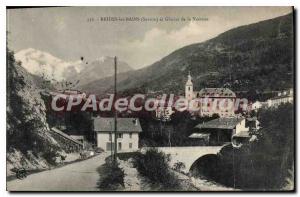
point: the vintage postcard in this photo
(150, 99)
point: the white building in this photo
(217, 101)
(253, 123)
(210, 101)
(282, 98)
(256, 106)
(164, 113)
(128, 130)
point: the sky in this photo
(69, 32)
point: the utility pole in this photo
(116, 127)
(234, 181)
(111, 143)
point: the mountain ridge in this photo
(243, 58)
(46, 65)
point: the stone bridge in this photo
(189, 154)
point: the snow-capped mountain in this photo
(101, 68)
(46, 65)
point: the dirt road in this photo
(80, 176)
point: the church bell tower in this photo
(189, 92)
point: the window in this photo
(110, 137)
(119, 146)
(130, 145)
(130, 135)
(120, 135)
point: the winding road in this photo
(79, 176)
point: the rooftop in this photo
(124, 125)
(59, 132)
(242, 134)
(281, 97)
(220, 123)
(199, 135)
(216, 92)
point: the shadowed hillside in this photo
(253, 57)
(29, 141)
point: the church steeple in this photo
(189, 92)
(189, 81)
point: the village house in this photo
(211, 101)
(164, 113)
(217, 101)
(255, 106)
(253, 123)
(220, 131)
(164, 108)
(128, 130)
(282, 98)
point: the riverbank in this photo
(134, 181)
(202, 184)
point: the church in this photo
(211, 101)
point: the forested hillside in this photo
(252, 57)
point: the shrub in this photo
(111, 176)
(127, 155)
(264, 164)
(179, 166)
(154, 165)
(50, 156)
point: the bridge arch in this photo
(206, 165)
(217, 166)
(188, 155)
